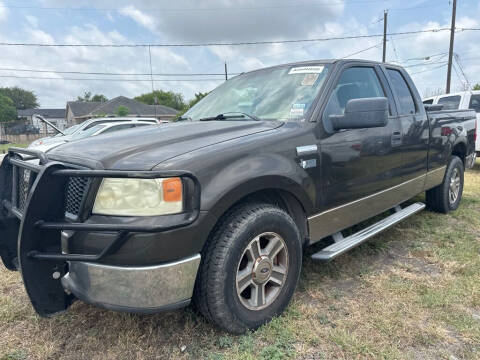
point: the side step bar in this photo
(342, 245)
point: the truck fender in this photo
(253, 174)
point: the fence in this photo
(21, 138)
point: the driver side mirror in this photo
(362, 113)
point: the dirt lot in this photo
(411, 293)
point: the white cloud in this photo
(219, 26)
(3, 12)
(139, 17)
(32, 20)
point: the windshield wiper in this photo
(235, 115)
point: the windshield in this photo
(281, 93)
(69, 130)
(88, 132)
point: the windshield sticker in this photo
(309, 79)
(306, 70)
(297, 109)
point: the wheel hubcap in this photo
(262, 271)
(454, 188)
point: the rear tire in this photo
(447, 196)
(250, 267)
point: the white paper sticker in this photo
(309, 79)
(306, 70)
(297, 109)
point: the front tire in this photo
(447, 196)
(250, 267)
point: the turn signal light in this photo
(172, 189)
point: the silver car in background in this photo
(65, 135)
(103, 128)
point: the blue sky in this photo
(189, 21)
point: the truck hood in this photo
(144, 148)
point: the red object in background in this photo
(446, 131)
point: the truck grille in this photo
(25, 180)
(75, 191)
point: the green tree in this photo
(122, 111)
(22, 99)
(166, 98)
(198, 96)
(87, 97)
(7, 109)
(476, 86)
(99, 98)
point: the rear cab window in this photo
(475, 103)
(403, 93)
(450, 102)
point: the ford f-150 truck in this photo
(217, 207)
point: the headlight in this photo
(139, 197)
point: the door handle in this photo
(397, 138)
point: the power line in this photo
(434, 68)
(438, 61)
(102, 79)
(360, 51)
(110, 73)
(233, 43)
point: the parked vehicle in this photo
(460, 100)
(95, 130)
(217, 207)
(64, 136)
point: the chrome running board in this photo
(342, 244)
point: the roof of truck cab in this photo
(325, 61)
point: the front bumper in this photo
(145, 289)
(33, 219)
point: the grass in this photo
(413, 292)
(5, 147)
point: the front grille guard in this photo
(30, 240)
(61, 171)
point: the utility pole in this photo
(385, 15)
(226, 74)
(450, 51)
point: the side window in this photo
(354, 83)
(101, 122)
(450, 102)
(401, 89)
(475, 103)
(117, 128)
(428, 102)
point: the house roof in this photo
(83, 109)
(47, 113)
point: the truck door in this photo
(357, 163)
(414, 140)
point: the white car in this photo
(75, 129)
(95, 130)
(460, 100)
